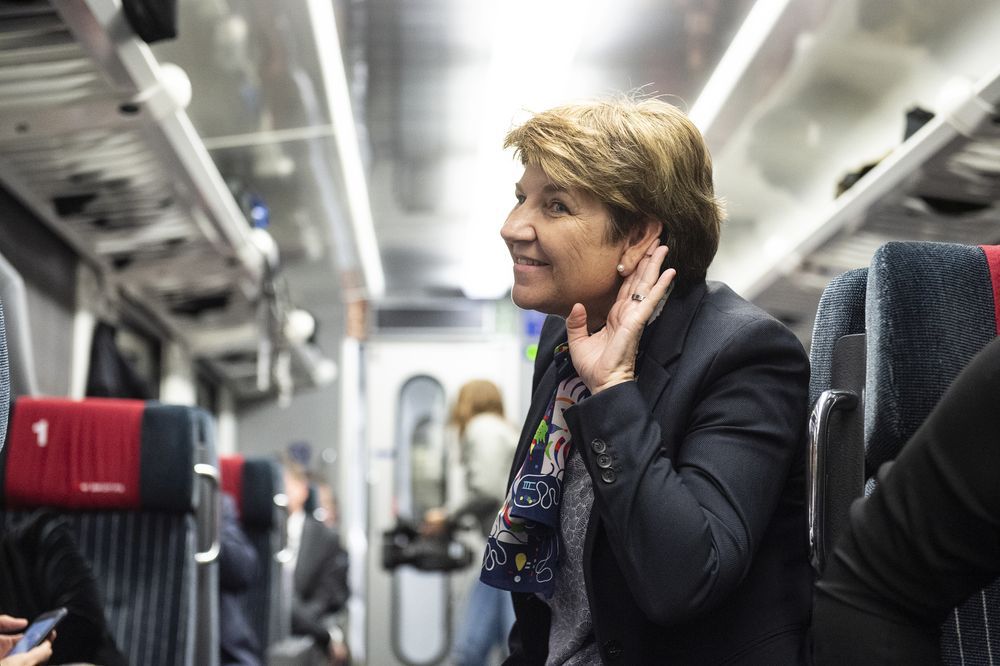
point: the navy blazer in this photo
(696, 551)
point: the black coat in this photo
(696, 549)
(42, 568)
(320, 581)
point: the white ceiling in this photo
(434, 84)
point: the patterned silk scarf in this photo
(522, 550)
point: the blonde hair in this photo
(644, 159)
(476, 397)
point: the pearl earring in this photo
(621, 268)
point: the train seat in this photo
(257, 487)
(929, 308)
(126, 476)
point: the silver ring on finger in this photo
(638, 297)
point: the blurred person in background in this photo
(326, 511)
(317, 569)
(486, 446)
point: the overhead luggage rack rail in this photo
(941, 184)
(95, 139)
(98, 145)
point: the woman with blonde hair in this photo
(656, 506)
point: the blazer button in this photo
(612, 650)
(598, 446)
(608, 476)
(604, 461)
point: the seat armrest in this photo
(836, 449)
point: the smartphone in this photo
(36, 632)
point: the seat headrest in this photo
(231, 479)
(930, 308)
(841, 312)
(99, 454)
(253, 483)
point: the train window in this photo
(142, 353)
(124, 363)
(206, 392)
(420, 450)
(427, 466)
(421, 617)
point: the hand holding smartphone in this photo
(36, 632)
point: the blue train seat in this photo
(257, 487)
(928, 309)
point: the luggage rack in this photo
(941, 184)
(95, 140)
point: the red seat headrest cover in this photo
(75, 454)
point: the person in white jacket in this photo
(487, 442)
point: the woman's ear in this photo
(638, 243)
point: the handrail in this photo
(819, 424)
(211, 474)
(284, 553)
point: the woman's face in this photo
(558, 240)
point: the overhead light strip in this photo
(757, 26)
(338, 98)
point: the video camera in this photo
(404, 544)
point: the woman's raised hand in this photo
(607, 357)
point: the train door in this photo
(409, 390)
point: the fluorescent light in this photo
(338, 100)
(755, 29)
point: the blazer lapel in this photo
(662, 342)
(306, 561)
